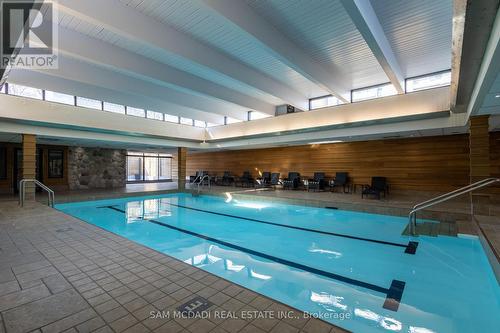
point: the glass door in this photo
(148, 167)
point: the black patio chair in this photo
(246, 180)
(197, 177)
(379, 185)
(317, 183)
(341, 180)
(265, 179)
(292, 182)
(227, 179)
(275, 179)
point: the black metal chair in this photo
(246, 180)
(379, 185)
(341, 180)
(317, 183)
(292, 182)
(227, 179)
(197, 177)
(265, 179)
(275, 179)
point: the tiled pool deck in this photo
(60, 274)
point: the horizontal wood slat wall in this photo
(430, 163)
(495, 154)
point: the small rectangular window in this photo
(136, 112)
(155, 115)
(23, 91)
(53, 96)
(373, 92)
(254, 115)
(186, 121)
(199, 123)
(232, 120)
(116, 108)
(323, 102)
(428, 81)
(55, 163)
(171, 119)
(88, 103)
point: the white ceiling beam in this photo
(365, 19)
(64, 85)
(489, 70)
(32, 111)
(244, 17)
(458, 29)
(83, 72)
(74, 137)
(77, 45)
(125, 21)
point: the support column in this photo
(479, 142)
(28, 169)
(181, 167)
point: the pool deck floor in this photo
(60, 274)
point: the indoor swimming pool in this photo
(352, 269)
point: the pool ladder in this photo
(445, 197)
(22, 191)
(200, 183)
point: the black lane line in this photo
(393, 294)
(406, 246)
(410, 248)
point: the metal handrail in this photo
(453, 192)
(22, 191)
(201, 181)
(445, 197)
(198, 176)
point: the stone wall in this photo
(96, 168)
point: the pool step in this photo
(434, 229)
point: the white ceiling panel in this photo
(420, 33)
(325, 31)
(99, 32)
(207, 27)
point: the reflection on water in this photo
(328, 301)
(147, 209)
(389, 324)
(209, 258)
(332, 254)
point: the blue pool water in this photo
(354, 270)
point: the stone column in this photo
(28, 170)
(181, 167)
(479, 143)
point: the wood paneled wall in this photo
(495, 154)
(429, 164)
